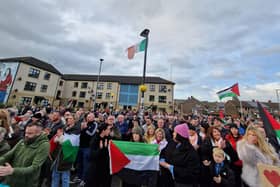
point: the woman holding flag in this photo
(179, 161)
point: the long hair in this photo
(261, 144)
(148, 137)
(162, 132)
(5, 119)
(210, 131)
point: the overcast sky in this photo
(202, 46)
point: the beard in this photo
(29, 141)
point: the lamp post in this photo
(98, 77)
(277, 94)
(145, 34)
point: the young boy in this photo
(219, 171)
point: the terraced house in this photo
(33, 81)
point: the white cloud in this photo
(210, 43)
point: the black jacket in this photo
(186, 163)
(87, 134)
(98, 174)
(226, 173)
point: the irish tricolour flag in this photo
(136, 48)
(134, 156)
(70, 147)
(232, 91)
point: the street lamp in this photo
(98, 77)
(145, 34)
(277, 94)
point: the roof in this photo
(33, 62)
(116, 78)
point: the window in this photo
(26, 100)
(47, 76)
(152, 98)
(109, 86)
(44, 88)
(58, 94)
(84, 85)
(82, 94)
(99, 95)
(74, 94)
(34, 73)
(162, 88)
(76, 84)
(80, 104)
(152, 87)
(100, 86)
(162, 99)
(108, 96)
(30, 86)
(61, 83)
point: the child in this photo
(219, 171)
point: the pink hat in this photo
(183, 130)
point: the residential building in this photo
(34, 81)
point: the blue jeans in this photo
(65, 176)
(83, 162)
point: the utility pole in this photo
(98, 77)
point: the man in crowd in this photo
(21, 166)
(122, 126)
(88, 129)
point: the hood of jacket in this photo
(42, 138)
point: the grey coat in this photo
(251, 155)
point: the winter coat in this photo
(226, 174)
(251, 156)
(186, 164)
(207, 147)
(205, 152)
(98, 174)
(4, 147)
(26, 161)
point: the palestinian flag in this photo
(232, 91)
(135, 163)
(136, 48)
(70, 147)
(271, 126)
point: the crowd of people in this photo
(195, 150)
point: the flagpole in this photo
(241, 108)
(98, 77)
(145, 34)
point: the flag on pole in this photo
(136, 48)
(135, 163)
(271, 127)
(232, 91)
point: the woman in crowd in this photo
(98, 174)
(194, 138)
(253, 149)
(137, 134)
(149, 135)
(233, 137)
(214, 139)
(160, 139)
(179, 161)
